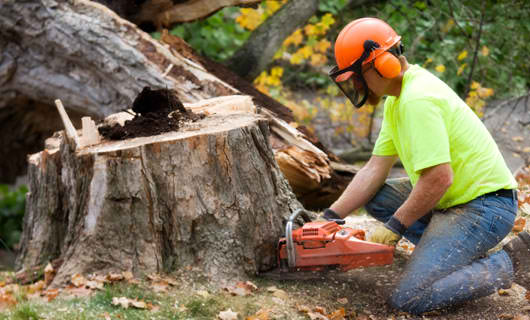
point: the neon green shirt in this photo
(427, 125)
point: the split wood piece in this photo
(209, 196)
(68, 126)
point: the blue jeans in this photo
(450, 262)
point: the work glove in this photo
(331, 215)
(385, 236)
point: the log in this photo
(209, 196)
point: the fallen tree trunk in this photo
(209, 196)
(96, 63)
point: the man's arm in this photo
(364, 185)
(430, 188)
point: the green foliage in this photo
(216, 37)
(436, 33)
(26, 311)
(12, 205)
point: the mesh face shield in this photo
(350, 80)
(354, 88)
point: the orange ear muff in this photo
(388, 65)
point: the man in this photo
(460, 200)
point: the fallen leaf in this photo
(271, 289)
(519, 225)
(237, 291)
(36, 287)
(303, 308)
(506, 316)
(227, 315)
(127, 275)
(281, 294)
(339, 314)
(526, 149)
(113, 277)
(517, 138)
(94, 285)
(7, 301)
(521, 317)
(260, 315)
(51, 294)
(342, 300)
(317, 316)
(277, 300)
(203, 293)
(159, 286)
(125, 302)
(249, 286)
(78, 280)
(319, 310)
(106, 315)
(525, 308)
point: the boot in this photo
(519, 251)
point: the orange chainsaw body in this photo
(321, 245)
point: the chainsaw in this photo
(326, 245)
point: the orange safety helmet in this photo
(349, 46)
(362, 41)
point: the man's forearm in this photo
(425, 195)
(361, 189)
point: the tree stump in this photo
(209, 195)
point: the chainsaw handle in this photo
(291, 252)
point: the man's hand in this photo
(385, 236)
(331, 215)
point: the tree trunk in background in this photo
(209, 196)
(257, 52)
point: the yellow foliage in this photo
(277, 72)
(327, 21)
(462, 55)
(485, 51)
(450, 23)
(461, 69)
(440, 68)
(295, 38)
(323, 45)
(296, 58)
(318, 59)
(310, 30)
(306, 51)
(427, 62)
(477, 96)
(250, 18)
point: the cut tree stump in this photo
(209, 196)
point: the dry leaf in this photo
(113, 277)
(106, 315)
(94, 285)
(260, 315)
(342, 300)
(78, 280)
(51, 294)
(506, 316)
(319, 310)
(249, 286)
(277, 300)
(281, 294)
(303, 308)
(7, 300)
(127, 275)
(203, 293)
(271, 289)
(159, 286)
(339, 314)
(519, 225)
(521, 317)
(227, 315)
(125, 302)
(36, 287)
(317, 316)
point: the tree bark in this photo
(209, 196)
(253, 57)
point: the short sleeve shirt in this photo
(427, 125)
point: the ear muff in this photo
(388, 65)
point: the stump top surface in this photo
(212, 124)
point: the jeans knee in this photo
(378, 210)
(411, 301)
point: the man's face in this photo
(374, 82)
